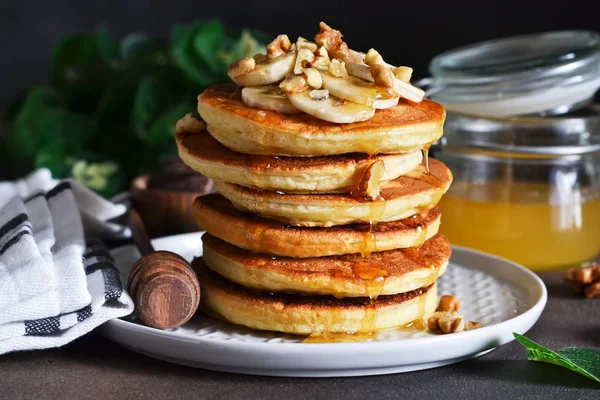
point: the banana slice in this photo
(331, 109)
(354, 89)
(387, 103)
(268, 98)
(267, 70)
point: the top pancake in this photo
(404, 128)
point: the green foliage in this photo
(111, 109)
(583, 361)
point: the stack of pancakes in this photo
(292, 244)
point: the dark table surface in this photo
(93, 367)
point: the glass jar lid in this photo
(537, 74)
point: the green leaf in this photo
(116, 105)
(583, 361)
(163, 130)
(79, 70)
(140, 45)
(40, 106)
(107, 46)
(151, 99)
(206, 41)
(189, 61)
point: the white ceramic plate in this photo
(504, 296)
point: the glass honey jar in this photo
(522, 139)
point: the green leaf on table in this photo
(206, 41)
(151, 98)
(115, 105)
(583, 361)
(246, 46)
(163, 130)
(104, 176)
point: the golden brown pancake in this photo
(351, 275)
(402, 197)
(216, 215)
(405, 128)
(326, 174)
(305, 315)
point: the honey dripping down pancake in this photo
(217, 215)
(400, 198)
(350, 275)
(404, 128)
(306, 315)
(326, 174)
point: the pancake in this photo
(216, 215)
(400, 198)
(305, 315)
(405, 128)
(351, 275)
(340, 173)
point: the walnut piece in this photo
(321, 60)
(303, 58)
(448, 303)
(383, 76)
(446, 322)
(241, 67)
(313, 78)
(452, 323)
(331, 39)
(338, 68)
(293, 84)
(473, 325)
(302, 43)
(584, 279)
(373, 57)
(322, 94)
(280, 45)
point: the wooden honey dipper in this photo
(164, 288)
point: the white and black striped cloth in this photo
(54, 285)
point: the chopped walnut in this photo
(293, 84)
(313, 78)
(338, 68)
(448, 303)
(241, 67)
(383, 76)
(322, 94)
(585, 279)
(321, 60)
(331, 39)
(303, 58)
(302, 43)
(280, 45)
(446, 322)
(189, 124)
(473, 325)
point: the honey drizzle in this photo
(425, 151)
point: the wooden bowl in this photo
(163, 212)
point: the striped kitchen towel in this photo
(54, 286)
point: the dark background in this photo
(405, 32)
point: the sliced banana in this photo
(331, 109)
(267, 70)
(354, 89)
(268, 98)
(387, 103)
